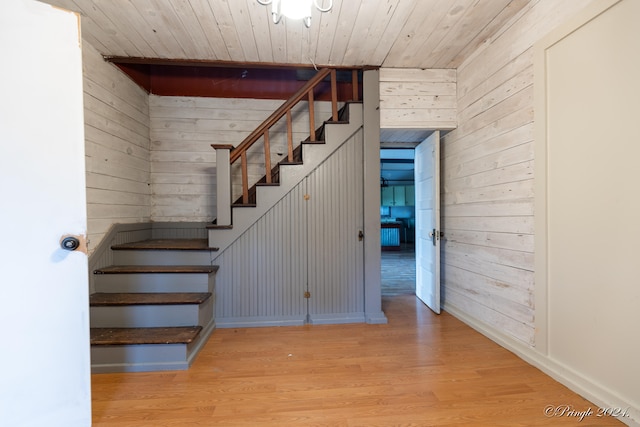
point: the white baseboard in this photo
(598, 395)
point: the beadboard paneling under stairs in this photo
(297, 257)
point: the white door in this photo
(427, 181)
(44, 310)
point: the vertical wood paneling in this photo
(262, 276)
(117, 147)
(145, 12)
(335, 217)
(487, 212)
(425, 14)
(417, 99)
(390, 33)
(298, 245)
(242, 23)
(183, 173)
(460, 31)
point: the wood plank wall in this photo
(116, 147)
(417, 99)
(487, 177)
(183, 176)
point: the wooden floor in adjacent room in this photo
(398, 271)
(420, 369)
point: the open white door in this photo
(44, 309)
(427, 182)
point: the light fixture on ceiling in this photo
(294, 9)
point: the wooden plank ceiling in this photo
(379, 33)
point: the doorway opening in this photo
(397, 220)
(409, 214)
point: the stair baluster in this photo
(223, 173)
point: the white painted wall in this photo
(587, 222)
(117, 147)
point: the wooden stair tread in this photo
(219, 227)
(103, 299)
(141, 269)
(132, 336)
(167, 244)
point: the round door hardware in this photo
(70, 243)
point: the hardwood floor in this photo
(398, 271)
(418, 370)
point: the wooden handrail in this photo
(280, 112)
(262, 131)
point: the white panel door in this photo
(44, 309)
(427, 186)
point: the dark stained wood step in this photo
(143, 269)
(288, 163)
(167, 244)
(103, 299)
(129, 336)
(219, 227)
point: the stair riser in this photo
(137, 358)
(147, 357)
(168, 257)
(154, 282)
(148, 316)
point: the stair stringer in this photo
(336, 134)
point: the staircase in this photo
(263, 196)
(153, 309)
(296, 159)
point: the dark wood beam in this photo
(223, 79)
(227, 64)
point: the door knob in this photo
(74, 242)
(70, 243)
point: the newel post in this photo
(223, 183)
